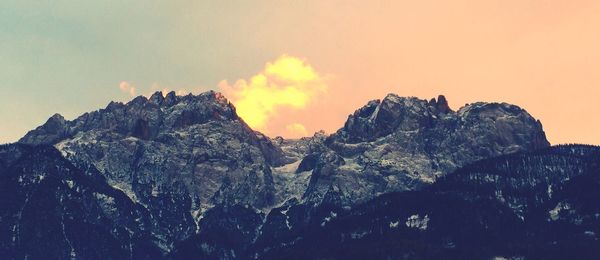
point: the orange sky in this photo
(540, 55)
(73, 58)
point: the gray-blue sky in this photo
(68, 57)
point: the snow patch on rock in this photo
(418, 222)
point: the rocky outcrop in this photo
(55, 129)
(441, 105)
(192, 164)
(176, 155)
(404, 143)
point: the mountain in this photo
(529, 205)
(403, 143)
(200, 182)
(50, 209)
(175, 155)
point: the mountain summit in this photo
(174, 152)
(401, 143)
(191, 163)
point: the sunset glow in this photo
(540, 55)
(288, 82)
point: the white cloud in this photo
(127, 88)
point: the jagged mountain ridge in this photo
(403, 143)
(183, 157)
(165, 152)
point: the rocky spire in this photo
(442, 105)
(157, 98)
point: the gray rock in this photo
(405, 143)
(180, 156)
(176, 155)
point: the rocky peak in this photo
(141, 117)
(221, 98)
(403, 143)
(197, 140)
(381, 118)
(55, 123)
(170, 98)
(157, 98)
(57, 117)
(184, 153)
(441, 105)
(55, 128)
(377, 119)
(139, 101)
(114, 105)
(178, 156)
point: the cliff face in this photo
(172, 154)
(404, 143)
(193, 169)
(540, 204)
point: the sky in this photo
(302, 66)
